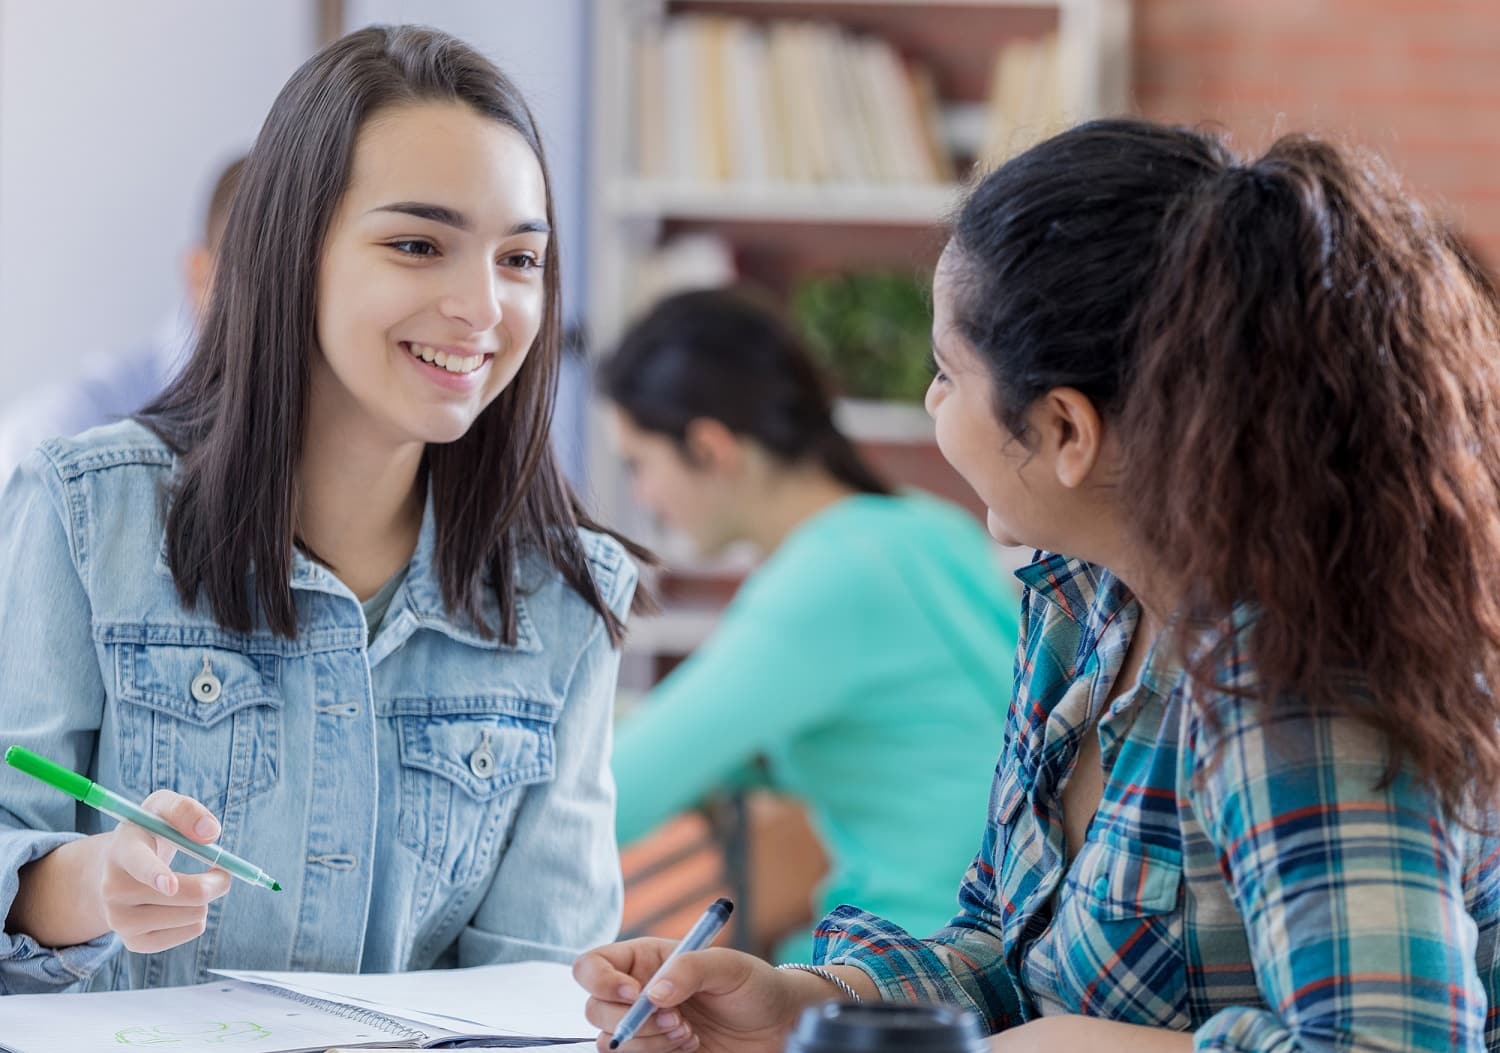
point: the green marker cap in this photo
(69, 782)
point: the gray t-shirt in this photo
(376, 606)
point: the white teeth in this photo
(452, 363)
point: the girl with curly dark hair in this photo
(1245, 800)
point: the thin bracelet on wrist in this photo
(817, 970)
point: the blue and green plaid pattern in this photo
(1244, 877)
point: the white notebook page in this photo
(539, 999)
(208, 1016)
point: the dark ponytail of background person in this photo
(1304, 380)
(722, 355)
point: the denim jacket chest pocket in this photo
(203, 720)
(465, 765)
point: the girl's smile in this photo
(449, 367)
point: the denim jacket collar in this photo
(420, 596)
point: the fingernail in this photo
(677, 1034)
(666, 1020)
(662, 989)
(163, 884)
(628, 992)
(206, 827)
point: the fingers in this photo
(163, 939)
(133, 859)
(614, 973)
(185, 814)
(714, 971)
(193, 890)
(613, 976)
(145, 902)
(652, 1044)
(145, 856)
(662, 1032)
(147, 922)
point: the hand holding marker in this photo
(699, 936)
(110, 803)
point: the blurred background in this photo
(811, 148)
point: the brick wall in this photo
(1418, 80)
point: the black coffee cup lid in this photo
(886, 1027)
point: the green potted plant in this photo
(870, 330)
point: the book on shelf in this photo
(650, 105)
(720, 99)
(1025, 99)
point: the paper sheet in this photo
(209, 1016)
(538, 999)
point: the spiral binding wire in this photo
(358, 1014)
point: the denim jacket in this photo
(432, 798)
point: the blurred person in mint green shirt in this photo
(864, 668)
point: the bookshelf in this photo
(781, 225)
(927, 89)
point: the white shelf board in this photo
(875, 421)
(908, 205)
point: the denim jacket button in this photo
(482, 763)
(206, 687)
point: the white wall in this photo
(114, 117)
(542, 45)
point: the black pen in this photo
(699, 936)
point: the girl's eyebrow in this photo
(452, 217)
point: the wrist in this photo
(59, 902)
(815, 984)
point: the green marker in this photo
(110, 803)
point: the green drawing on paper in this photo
(196, 1033)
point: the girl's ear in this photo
(1072, 434)
(711, 447)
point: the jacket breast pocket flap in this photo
(483, 746)
(197, 685)
(200, 720)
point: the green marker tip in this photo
(275, 886)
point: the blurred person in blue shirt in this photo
(112, 385)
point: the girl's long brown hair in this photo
(1314, 426)
(1305, 381)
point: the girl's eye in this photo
(414, 247)
(935, 369)
(524, 261)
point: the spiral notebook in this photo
(524, 1004)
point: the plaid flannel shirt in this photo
(1243, 879)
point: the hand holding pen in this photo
(715, 999)
(134, 891)
(699, 936)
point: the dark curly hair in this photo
(1304, 379)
